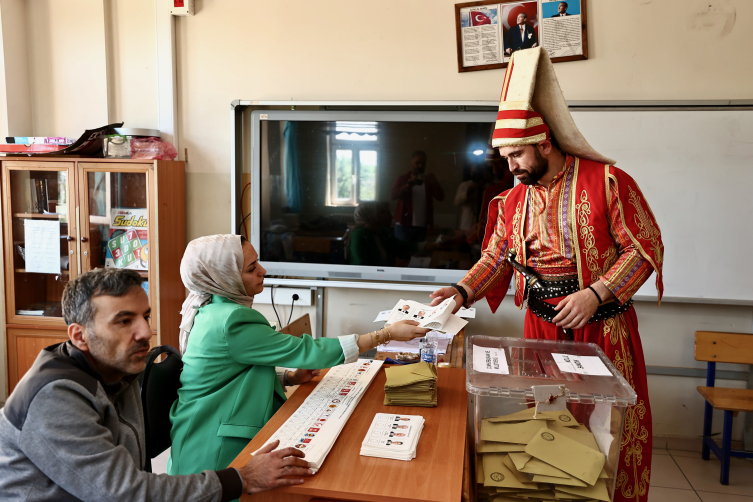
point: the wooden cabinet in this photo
(63, 217)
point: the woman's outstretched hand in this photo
(406, 330)
(300, 376)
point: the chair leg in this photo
(707, 418)
(726, 446)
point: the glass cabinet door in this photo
(40, 240)
(115, 215)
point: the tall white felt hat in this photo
(532, 105)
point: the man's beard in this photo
(538, 170)
(102, 353)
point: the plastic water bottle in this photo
(429, 349)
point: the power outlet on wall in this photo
(284, 297)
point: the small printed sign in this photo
(490, 360)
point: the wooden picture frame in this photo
(500, 4)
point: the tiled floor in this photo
(683, 476)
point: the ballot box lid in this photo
(583, 368)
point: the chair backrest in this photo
(716, 347)
(159, 390)
(298, 327)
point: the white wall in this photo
(390, 50)
(66, 43)
(131, 63)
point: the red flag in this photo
(479, 18)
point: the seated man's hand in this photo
(406, 330)
(266, 469)
(300, 376)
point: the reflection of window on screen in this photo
(353, 165)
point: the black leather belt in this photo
(539, 290)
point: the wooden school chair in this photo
(714, 347)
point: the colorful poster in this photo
(127, 245)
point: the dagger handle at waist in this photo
(532, 279)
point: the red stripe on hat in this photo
(517, 114)
(521, 133)
(508, 75)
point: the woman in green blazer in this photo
(229, 385)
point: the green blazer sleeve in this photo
(251, 340)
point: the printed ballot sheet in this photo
(439, 318)
(393, 436)
(316, 424)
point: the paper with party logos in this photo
(314, 427)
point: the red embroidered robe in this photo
(597, 225)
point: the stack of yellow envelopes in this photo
(411, 385)
(548, 458)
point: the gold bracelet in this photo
(376, 335)
(389, 335)
(389, 338)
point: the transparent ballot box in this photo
(522, 459)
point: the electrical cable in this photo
(279, 322)
(295, 299)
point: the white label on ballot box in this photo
(583, 365)
(490, 360)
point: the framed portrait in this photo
(489, 32)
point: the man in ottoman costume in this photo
(580, 238)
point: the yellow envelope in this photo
(568, 496)
(564, 417)
(493, 447)
(520, 459)
(519, 416)
(497, 474)
(536, 466)
(523, 478)
(479, 470)
(598, 491)
(583, 437)
(520, 433)
(567, 455)
(569, 481)
(508, 498)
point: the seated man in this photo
(73, 428)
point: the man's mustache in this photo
(141, 346)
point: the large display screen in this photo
(376, 193)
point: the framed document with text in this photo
(489, 32)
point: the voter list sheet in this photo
(315, 425)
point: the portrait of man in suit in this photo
(521, 36)
(561, 10)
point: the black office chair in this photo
(159, 390)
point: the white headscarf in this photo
(211, 265)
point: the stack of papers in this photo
(393, 436)
(315, 425)
(411, 385)
(550, 457)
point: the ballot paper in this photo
(393, 436)
(439, 318)
(316, 424)
(414, 346)
(582, 365)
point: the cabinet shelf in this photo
(40, 215)
(23, 271)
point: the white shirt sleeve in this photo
(349, 344)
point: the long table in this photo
(436, 474)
